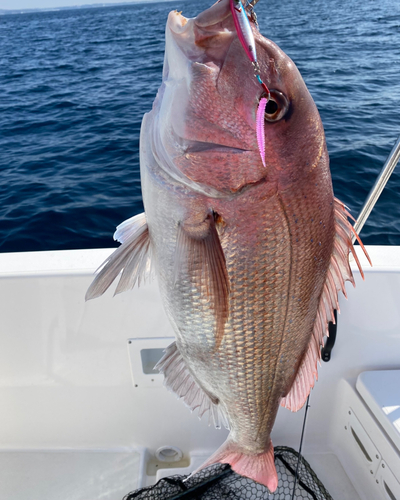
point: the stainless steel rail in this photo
(378, 187)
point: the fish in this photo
(250, 252)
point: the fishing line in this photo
(301, 444)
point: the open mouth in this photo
(190, 146)
(201, 147)
(205, 36)
(210, 19)
(177, 23)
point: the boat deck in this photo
(110, 475)
(83, 414)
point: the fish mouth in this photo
(206, 38)
(192, 146)
(210, 21)
(203, 147)
(195, 53)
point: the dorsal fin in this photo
(179, 380)
(132, 258)
(201, 244)
(338, 272)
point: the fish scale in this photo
(252, 308)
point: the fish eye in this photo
(277, 106)
(271, 107)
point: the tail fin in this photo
(260, 468)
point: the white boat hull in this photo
(77, 405)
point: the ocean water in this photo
(76, 83)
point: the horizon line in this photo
(86, 5)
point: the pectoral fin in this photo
(132, 258)
(199, 255)
(339, 271)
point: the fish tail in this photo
(261, 467)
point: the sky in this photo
(47, 4)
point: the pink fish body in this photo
(250, 257)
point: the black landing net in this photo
(220, 482)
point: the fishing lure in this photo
(260, 128)
(243, 29)
(245, 35)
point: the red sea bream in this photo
(249, 258)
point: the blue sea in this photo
(74, 85)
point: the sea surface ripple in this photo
(76, 83)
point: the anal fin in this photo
(132, 258)
(338, 272)
(179, 380)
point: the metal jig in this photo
(246, 37)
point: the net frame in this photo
(220, 482)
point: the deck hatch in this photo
(366, 449)
(358, 441)
(150, 357)
(388, 481)
(143, 355)
(389, 491)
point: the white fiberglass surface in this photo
(68, 475)
(66, 374)
(381, 393)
